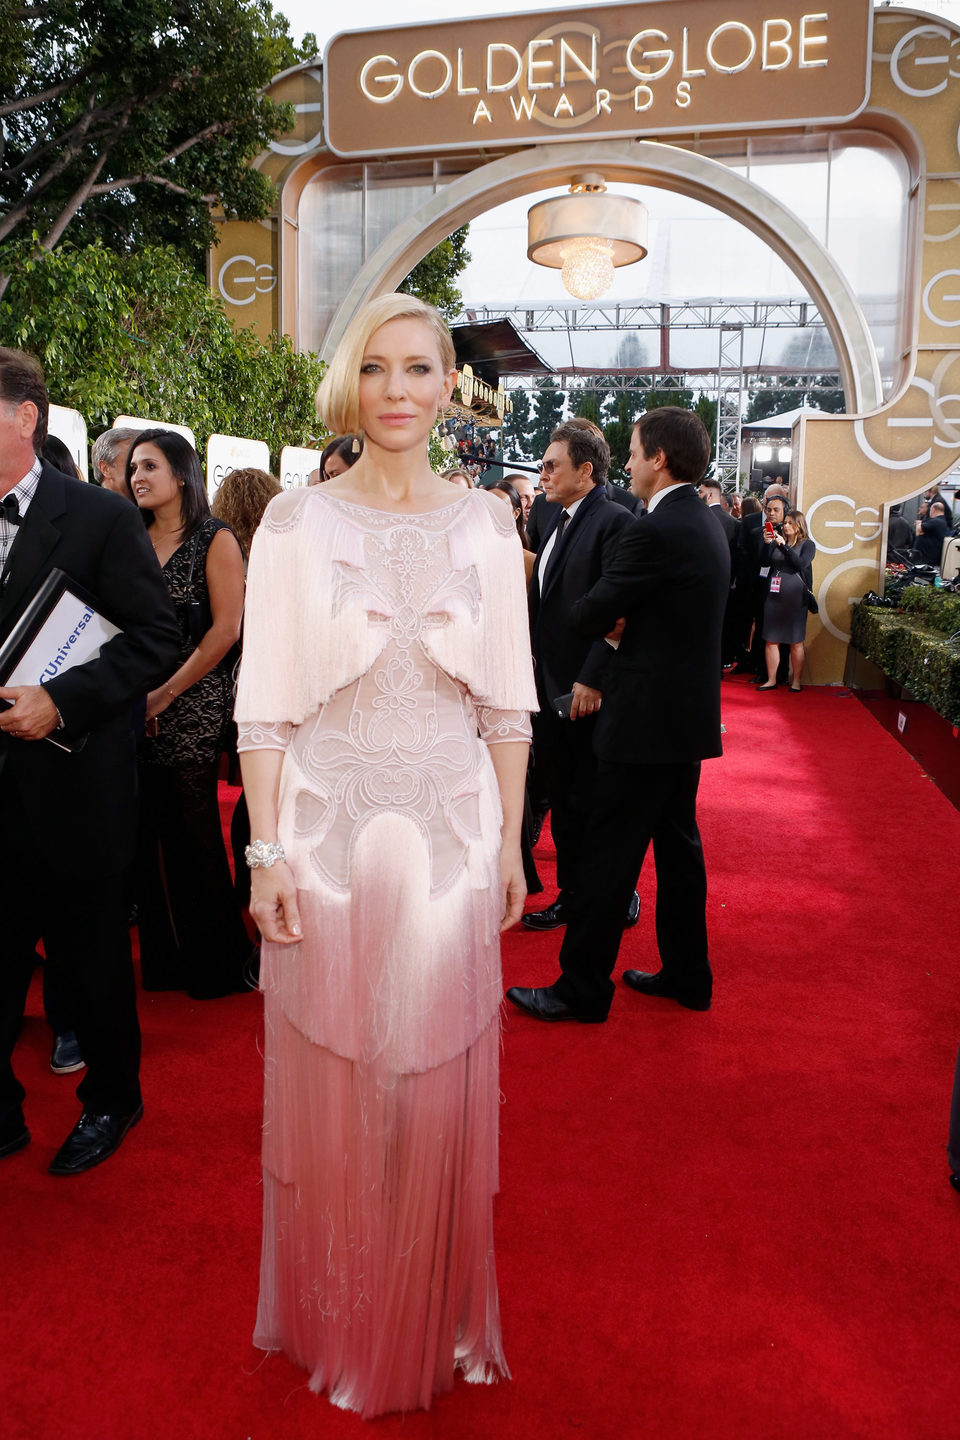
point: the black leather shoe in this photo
(65, 1056)
(542, 1004)
(955, 1180)
(13, 1137)
(92, 1140)
(633, 911)
(551, 918)
(661, 986)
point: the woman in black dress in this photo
(191, 934)
(790, 558)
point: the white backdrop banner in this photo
(70, 427)
(137, 422)
(296, 465)
(231, 452)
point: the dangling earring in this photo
(355, 447)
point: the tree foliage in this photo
(516, 428)
(127, 120)
(141, 334)
(548, 403)
(791, 393)
(433, 278)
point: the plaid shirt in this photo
(24, 492)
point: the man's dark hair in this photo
(185, 464)
(21, 378)
(682, 437)
(709, 483)
(584, 445)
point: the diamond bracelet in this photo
(263, 853)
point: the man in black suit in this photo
(580, 537)
(661, 716)
(69, 815)
(736, 617)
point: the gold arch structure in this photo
(849, 469)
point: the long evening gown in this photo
(191, 933)
(379, 649)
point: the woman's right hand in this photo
(273, 903)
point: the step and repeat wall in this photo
(224, 452)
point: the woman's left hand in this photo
(513, 886)
(157, 702)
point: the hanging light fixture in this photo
(586, 235)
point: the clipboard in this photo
(60, 628)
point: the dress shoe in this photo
(92, 1140)
(13, 1137)
(954, 1179)
(542, 1004)
(65, 1056)
(551, 918)
(662, 986)
(633, 911)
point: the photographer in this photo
(788, 551)
(931, 533)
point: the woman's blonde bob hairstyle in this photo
(338, 395)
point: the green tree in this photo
(141, 334)
(618, 434)
(668, 395)
(707, 410)
(516, 428)
(548, 402)
(774, 400)
(586, 404)
(127, 120)
(432, 279)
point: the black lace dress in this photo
(191, 933)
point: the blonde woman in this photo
(789, 552)
(383, 717)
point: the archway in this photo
(645, 163)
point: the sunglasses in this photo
(548, 467)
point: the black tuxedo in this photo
(734, 622)
(562, 655)
(70, 817)
(540, 521)
(669, 578)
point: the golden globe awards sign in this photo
(613, 70)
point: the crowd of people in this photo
(369, 650)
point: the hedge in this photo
(915, 647)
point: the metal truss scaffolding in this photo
(729, 402)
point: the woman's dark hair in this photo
(750, 505)
(185, 464)
(507, 487)
(56, 453)
(342, 447)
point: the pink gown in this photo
(397, 653)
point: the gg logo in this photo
(922, 416)
(935, 58)
(247, 282)
(844, 514)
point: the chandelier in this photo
(586, 235)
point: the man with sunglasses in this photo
(581, 534)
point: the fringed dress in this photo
(384, 653)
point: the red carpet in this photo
(716, 1226)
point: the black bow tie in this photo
(11, 509)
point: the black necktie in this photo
(11, 509)
(562, 525)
